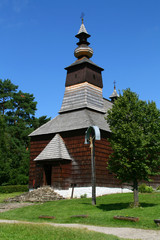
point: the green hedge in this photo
(13, 188)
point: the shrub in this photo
(158, 188)
(13, 188)
(143, 188)
(84, 196)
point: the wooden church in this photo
(59, 157)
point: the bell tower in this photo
(83, 87)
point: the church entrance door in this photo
(48, 174)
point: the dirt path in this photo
(8, 206)
(129, 233)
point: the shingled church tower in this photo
(59, 156)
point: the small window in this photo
(75, 75)
(94, 76)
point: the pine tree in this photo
(17, 121)
(7, 89)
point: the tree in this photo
(135, 140)
(37, 122)
(17, 121)
(4, 149)
(23, 108)
(7, 89)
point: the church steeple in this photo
(83, 87)
(114, 95)
(83, 49)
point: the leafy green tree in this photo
(135, 140)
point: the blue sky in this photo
(37, 41)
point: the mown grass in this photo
(101, 215)
(4, 196)
(41, 232)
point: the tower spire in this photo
(83, 87)
(83, 49)
(114, 95)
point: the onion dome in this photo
(83, 49)
(114, 95)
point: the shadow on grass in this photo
(143, 204)
(115, 206)
(120, 206)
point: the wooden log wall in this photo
(60, 170)
(66, 173)
(37, 144)
(61, 173)
(84, 73)
(81, 165)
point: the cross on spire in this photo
(114, 94)
(82, 16)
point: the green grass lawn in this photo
(41, 232)
(101, 215)
(4, 196)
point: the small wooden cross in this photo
(82, 16)
(114, 84)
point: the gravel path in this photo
(129, 233)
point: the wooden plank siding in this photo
(65, 173)
(37, 144)
(81, 166)
(84, 73)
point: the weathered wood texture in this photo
(59, 170)
(63, 174)
(81, 166)
(84, 73)
(37, 144)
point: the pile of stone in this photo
(43, 194)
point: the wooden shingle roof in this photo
(55, 150)
(84, 95)
(79, 119)
(83, 60)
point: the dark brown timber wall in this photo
(37, 144)
(77, 172)
(65, 173)
(84, 73)
(81, 165)
(59, 170)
